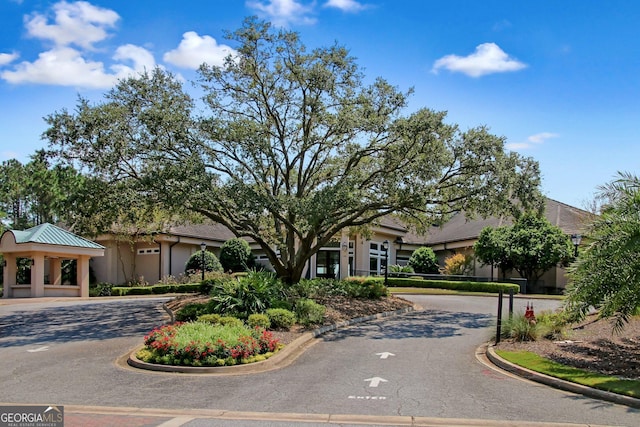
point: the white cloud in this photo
(283, 12)
(194, 50)
(346, 5)
(66, 67)
(79, 23)
(7, 58)
(142, 60)
(487, 59)
(531, 141)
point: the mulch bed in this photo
(591, 345)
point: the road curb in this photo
(282, 358)
(557, 382)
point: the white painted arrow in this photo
(35, 350)
(375, 381)
(384, 355)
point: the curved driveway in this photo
(420, 364)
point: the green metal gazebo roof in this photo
(49, 234)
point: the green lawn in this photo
(536, 363)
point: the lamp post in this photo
(576, 239)
(385, 248)
(203, 247)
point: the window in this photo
(376, 258)
(149, 251)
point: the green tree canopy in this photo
(531, 246)
(492, 248)
(423, 260)
(293, 149)
(36, 192)
(607, 273)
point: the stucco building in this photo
(165, 254)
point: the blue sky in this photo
(560, 80)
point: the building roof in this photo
(569, 219)
(49, 234)
(207, 230)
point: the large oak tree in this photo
(292, 148)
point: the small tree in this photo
(457, 264)
(531, 246)
(194, 263)
(235, 255)
(423, 261)
(491, 248)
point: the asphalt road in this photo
(420, 364)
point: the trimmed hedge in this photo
(491, 287)
(121, 291)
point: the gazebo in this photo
(46, 246)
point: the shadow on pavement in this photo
(416, 324)
(80, 323)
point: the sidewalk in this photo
(92, 416)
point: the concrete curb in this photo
(282, 358)
(557, 382)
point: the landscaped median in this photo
(533, 367)
(283, 356)
(240, 324)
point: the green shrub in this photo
(212, 318)
(554, 324)
(316, 288)
(281, 318)
(259, 319)
(216, 282)
(231, 321)
(364, 287)
(401, 269)
(251, 293)
(235, 255)
(191, 312)
(418, 282)
(521, 329)
(194, 263)
(309, 312)
(282, 303)
(102, 289)
(423, 260)
(162, 289)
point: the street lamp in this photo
(203, 247)
(385, 248)
(576, 239)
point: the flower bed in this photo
(204, 344)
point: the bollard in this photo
(499, 331)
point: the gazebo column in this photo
(10, 274)
(55, 271)
(83, 275)
(37, 275)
